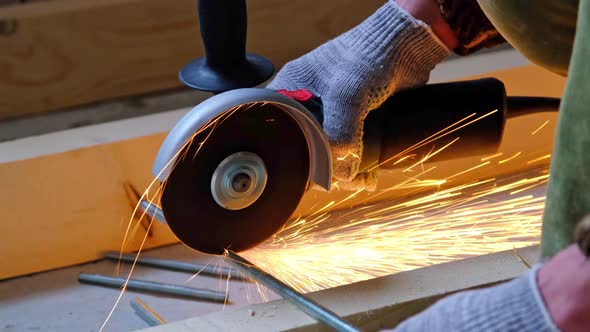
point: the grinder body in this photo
(235, 167)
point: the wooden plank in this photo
(370, 305)
(69, 206)
(69, 52)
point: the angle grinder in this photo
(234, 168)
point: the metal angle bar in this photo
(146, 313)
(155, 287)
(152, 210)
(290, 295)
(174, 265)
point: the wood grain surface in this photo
(63, 53)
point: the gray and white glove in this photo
(356, 72)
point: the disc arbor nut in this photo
(239, 180)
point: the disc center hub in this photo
(241, 183)
(239, 180)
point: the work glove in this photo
(355, 73)
(551, 297)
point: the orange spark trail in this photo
(394, 235)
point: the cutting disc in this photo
(259, 157)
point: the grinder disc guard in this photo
(262, 132)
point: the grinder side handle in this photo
(223, 30)
(226, 65)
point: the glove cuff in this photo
(471, 26)
(512, 306)
(391, 33)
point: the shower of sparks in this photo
(439, 221)
(341, 247)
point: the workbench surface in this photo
(56, 301)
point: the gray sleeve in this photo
(512, 306)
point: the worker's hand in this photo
(356, 72)
(564, 284)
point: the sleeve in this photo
(512, 306)
(471, 26)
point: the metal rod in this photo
(174, 265)
(146, 313)
(155, 287)
(290, 295)
(152, 210)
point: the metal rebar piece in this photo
(146, 313)
(155, 287)
(169, 264)
(290, 295)
(152, 210)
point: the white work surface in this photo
(56, 301)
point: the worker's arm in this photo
(550, 297)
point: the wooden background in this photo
(62, 53)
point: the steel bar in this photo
(290, 295)
(152, 210)
(174, 265)
(146, 313)
(155, 287)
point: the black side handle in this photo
(223, 27)
(226, 65)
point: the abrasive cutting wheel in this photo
(238, 181)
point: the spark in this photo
(349, 154)
(430, 155)
(496, 155)
(547, 156)
(541, 127)
(436, 136)
(510, 158)
(404, 158)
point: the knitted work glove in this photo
(355, 72)
(552, 297)
(514, 306)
